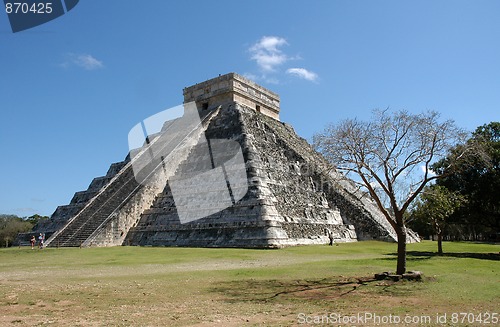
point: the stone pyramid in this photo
(290, 195)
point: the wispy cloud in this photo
(267, 54)
(85, 61)
(303, 73)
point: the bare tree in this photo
(390, 156)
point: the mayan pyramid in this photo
(275, 190)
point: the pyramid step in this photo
(94, 214)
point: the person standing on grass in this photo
(33, 241)
(330, 236)
(40, 240)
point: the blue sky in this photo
(71, 89)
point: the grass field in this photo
(136, 286)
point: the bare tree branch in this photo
(386, 153)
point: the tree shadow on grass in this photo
(483, 256)
(254, 290)
(416, 257)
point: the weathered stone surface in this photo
(410, 275)
(382, 276)
(293, 195)
(413, 275)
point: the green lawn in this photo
(135, 286)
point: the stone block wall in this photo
(285, 204)
(230, 88)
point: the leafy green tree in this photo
(10, 226)
(434, 207)
(478, 179)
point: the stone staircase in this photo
(64, 213)
(102, 205)
(108, 201)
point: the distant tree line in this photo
(464, 204)
(11, 225)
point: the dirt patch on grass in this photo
(332, 288)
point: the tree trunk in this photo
(401, 266)
(440, 243)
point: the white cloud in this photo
(85, 61)
(303, 73)
(88, 62)
(267, 54)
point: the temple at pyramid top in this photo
(231, 88)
